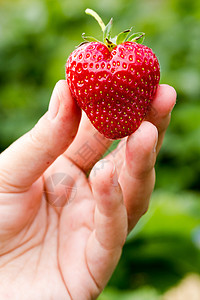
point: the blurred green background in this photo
(36, 37)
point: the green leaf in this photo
(122, 36)
(140, 40)
(107, 30)
(89, 38)
(83, 43)
(136, 37)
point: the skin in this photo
(54, 247)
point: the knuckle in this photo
(146, 172)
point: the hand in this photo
(61, 232)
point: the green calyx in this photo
(125, 36)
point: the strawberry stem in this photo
(111, 43)
(105, 28)
(92, 13)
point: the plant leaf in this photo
(107, 30)
(136, 37)
(89, 38)
(140, 40)
(122, 36)
(83, 43)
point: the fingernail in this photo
(54, 105)
(114, 177)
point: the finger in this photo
(118, 154)
(26, 159)
(160, 112)
(110, 221)
(137, 175)
(88, 146)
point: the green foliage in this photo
(163, 248)
(36, 38)
(144, 293)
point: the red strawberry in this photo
(115, 82)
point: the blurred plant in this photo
(36, 38)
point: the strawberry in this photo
(113, 82)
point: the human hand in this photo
(61, 232)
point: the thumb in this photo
(27, 158)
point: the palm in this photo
(54, 237)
